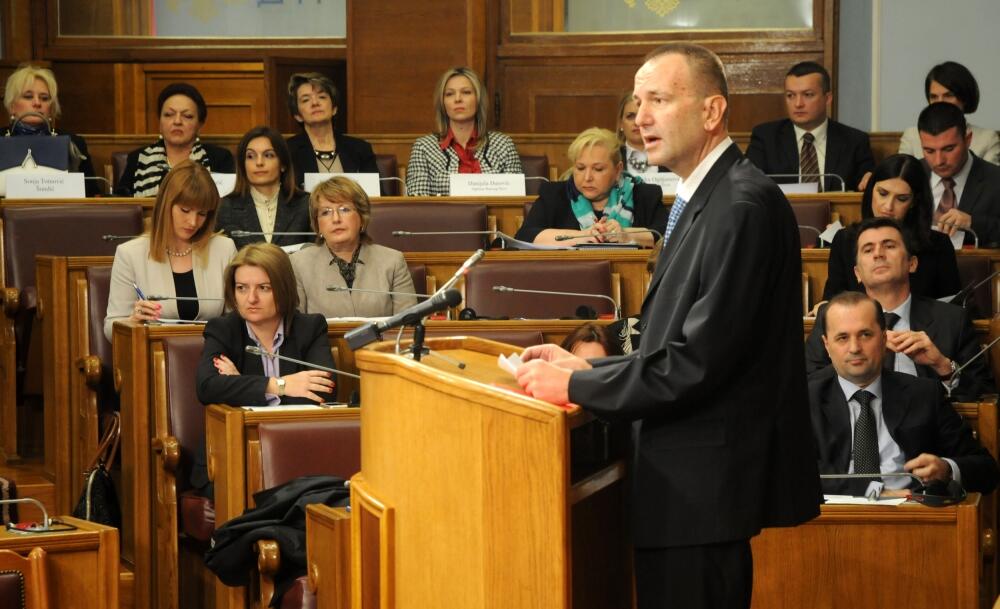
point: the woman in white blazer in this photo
(346, 258)
(181, 257)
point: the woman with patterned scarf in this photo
(600, 204)
(182, 111)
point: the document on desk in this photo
(286, 408)
(852, 500)
(510, 363)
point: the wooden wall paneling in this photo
(88, 97)
(405, 46)
(277, 72)
(17, 39)
(234, 93)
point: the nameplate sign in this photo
(487, 185)
(367, 181)
(803, 188)
(667, 181)
(224, 182)
(45, 185)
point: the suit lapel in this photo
(690, 214)
(973, 187)
(834, 150)
(837, 414)
(248, 212)
(893, 405)
(282, 217)
(789, 148)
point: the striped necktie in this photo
(808, 161)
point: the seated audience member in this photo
(340, 212)
(899, 189)
(808, 142)
(261, 297)
(182, 113)
(633, 149)
(868, 420)
(591, 340)
(182, 257)
(31, 97)
(265, 198)
(598, 203)
(927, 338)
(462, 143)
(966, 188)
(312, 100)
(953, 83)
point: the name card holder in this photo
(802, 188)
(667, 181)
(367, 181)
(486, 184)
(45, 185)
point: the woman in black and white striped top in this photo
(462, 143)
(182, 112)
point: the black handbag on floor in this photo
(99, 501)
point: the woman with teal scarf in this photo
(599, 204)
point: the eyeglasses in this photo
(343, 210)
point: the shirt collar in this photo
(819, 133)
(449, 139)
(960, 177)
(261, 199)
(903, 310)
(849, 388)
(279, 336)
(687, 187)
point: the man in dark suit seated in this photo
(868, 420)
(928, 338)
(966, 188)
(808, 143)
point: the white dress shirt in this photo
(687, 187)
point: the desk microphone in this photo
(247, 233)
(100, 179)
(263, 352)
(118, 237)
(966, 293)
(470, 262)
(343, 288)
(503, 288)
(157, 297)
(371, 331)
(819, 235)
(819, 176)
(502, 236)
(395, 179)
(959, 370)
(44, 527)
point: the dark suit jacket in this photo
(724, 447)
(552, 209)
(936, 275)
(949, 328)
(918, 418)
(305, 339)
(848, 152)
(237, 212)
(355, 155)
(981, 200)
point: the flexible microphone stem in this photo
(157, 297)
(100, 179)
(843, 185)
(258, 351)
(499, 234)
(247, 233)
(503, 288)
(972, 290)
(118, 237)
(46, 521)
(395, 179)
(462, 270)
(959, 370)
(342, 288)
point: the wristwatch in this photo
(954, 369)
(280, 382)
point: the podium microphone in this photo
(462, 270)
(247, 233)
(118, 237)
(258, 351)
(372, 331)
(503, 288)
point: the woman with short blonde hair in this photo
(462, 141)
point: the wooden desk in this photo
(82, 564)
(860, 557)
(71, 425)
(328, 550)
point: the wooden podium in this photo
(468, 496)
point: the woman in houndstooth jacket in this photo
(461, 143)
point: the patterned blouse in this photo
(153, 167)
(429, 167)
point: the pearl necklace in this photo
(186, 252)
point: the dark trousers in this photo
(716, 576)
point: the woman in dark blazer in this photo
(599, 203)
(899, 188)
(265, 198)
(312, 100)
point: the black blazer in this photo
(724, 447)
(220, 160)
(917, 417)
(950, 329)
(305, 339)
(981, 200)
(936, 275)
(355, 155)
(848, 152)
(237, 212)
(552, 209)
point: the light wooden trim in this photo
(364, 502)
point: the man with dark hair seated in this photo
(927, 338)
(966, 188)
(808, 143)
(868, 420)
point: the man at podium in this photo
(718, 386)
